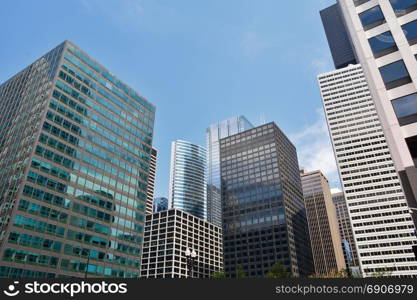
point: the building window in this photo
(412, 146)
(410, 32)
(383, 44)
(403, 7)
(395, 74)
(406, 109)
(360, 2)
(372, 17)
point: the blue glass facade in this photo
(160, 204)
(213, 135)
(187, 186)
(80, 189)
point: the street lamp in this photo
(190, 255)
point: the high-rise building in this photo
(384, 34)
(338, 38)
(382, 226)
(151, 182)
(175, 231)
(75, 146)
(345, 229)
(160, 204)
(214, 133)
(325, 238)
(264, 218)
(187, 185)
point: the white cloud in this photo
(314, 149)
(335, 190)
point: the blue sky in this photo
(198, 61)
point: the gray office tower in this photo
(75, 147)
(214, 133)
(338, 38)
(264, 217)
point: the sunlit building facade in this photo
(75, 145)
(187, 183)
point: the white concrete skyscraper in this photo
(384, 35)
(382, 225)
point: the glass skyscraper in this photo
(75, 146)
(160, 204)
(214, 133)
(187, 185)
(264, 217)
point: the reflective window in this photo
(395, 74)
(406, 109)
(372, 17)
(410, 32)
(360, 2)
(383, 44)
(403, 7)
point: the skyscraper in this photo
(175, 231)
(75, 146)
(264, 218)
(382, 226)
(384, 34)
(338, 38)
(345, 228)
(187, 185)
(214, 133)
(160, 204)
(325, 238)
(151, 182)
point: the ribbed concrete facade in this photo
(382, 225)
(322, 223)
(384, 34)
(345, 229)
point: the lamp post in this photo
(190, 255)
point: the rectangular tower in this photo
(345, 228)
(151, 182)
(384, 34)
(214, 133)
(325, 238)
(264, 218)
(75, 146)
(340, 45)
(382, 225)
(187, 183)
(176, 231)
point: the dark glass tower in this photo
(75, 147)
(340, 45)
(264, 217)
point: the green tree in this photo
(278, 271)
(219, 274)
(240, 273)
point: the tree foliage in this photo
(278, 271)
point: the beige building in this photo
(322, 223)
